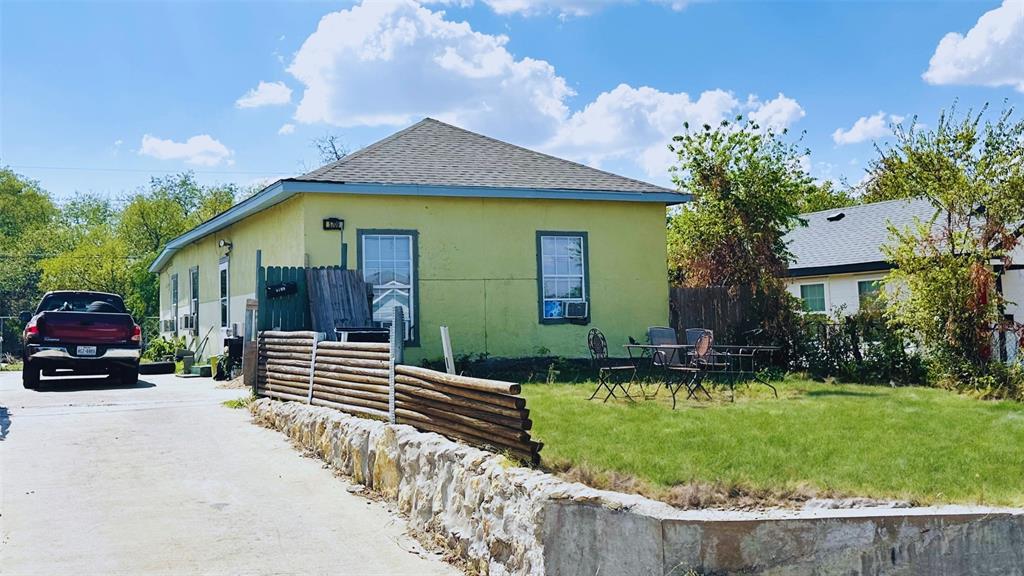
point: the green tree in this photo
(171, 206)
(26, 215)
(971, 168)
(825, 196)
(748, 188)
(23, 206)
(100, 247)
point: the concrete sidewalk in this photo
(163, 479)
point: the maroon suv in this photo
(81, 333)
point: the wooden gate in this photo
(283, 298)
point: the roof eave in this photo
(851, 268)
(664, 196)
(284, 189)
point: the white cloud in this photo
(390, 64)
(266, 94)
(286, 129)
(777, 114)
(866, 128)
(203, 150)
(637, 124)
(991, 54)
(395, 62)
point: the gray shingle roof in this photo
(857, 238)
(432, 153)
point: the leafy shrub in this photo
(859, 348)
(161, 348)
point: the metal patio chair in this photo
(606, 371)
(714, 361)
(700, 361)
(693, 334)
(662, 336)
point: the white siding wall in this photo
(840, 289)
(1013, 290)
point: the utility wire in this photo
(145, 170)
(79, 257)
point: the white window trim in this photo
(582, 275)
(175, 298)
(828, 299)
(193, 297)
(224, 301)
(410, 319)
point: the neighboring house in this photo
(839, 261)
(495, 241)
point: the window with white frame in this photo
(174, 303)
(225, 293)
(388, 263)
(813, 297)
(193, 305)
(563, 272)
(867, 292)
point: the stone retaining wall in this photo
(511, 520)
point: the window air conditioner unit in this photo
(187, 322)
(168, 325)
(577, 310)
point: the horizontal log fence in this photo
(361, 378)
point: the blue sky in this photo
(99, 96)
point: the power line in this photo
(144, 170)
(78, 257)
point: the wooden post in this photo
(446, 347)
(312, 366)
(261, 293)
(397, 338)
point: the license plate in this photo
(86, 351)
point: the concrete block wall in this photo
(509, 520)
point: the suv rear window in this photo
(81, 302)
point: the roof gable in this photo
(432, 153)
(431, 158)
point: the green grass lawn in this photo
(919, 444)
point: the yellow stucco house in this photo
(517, 252)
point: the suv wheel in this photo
(30, 376)
(129, 376)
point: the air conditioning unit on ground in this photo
(577, 310)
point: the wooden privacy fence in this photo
(362, 378)
(338, 297)
(722, 309)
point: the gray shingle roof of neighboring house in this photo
(432, 153)
(854, 242)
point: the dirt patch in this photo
(236, 383)
(719, 495)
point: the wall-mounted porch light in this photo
(334, 224)
(226, 244)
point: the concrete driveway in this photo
(162, 478)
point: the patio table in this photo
(738, 361)
(651, 358)
(741, 361)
